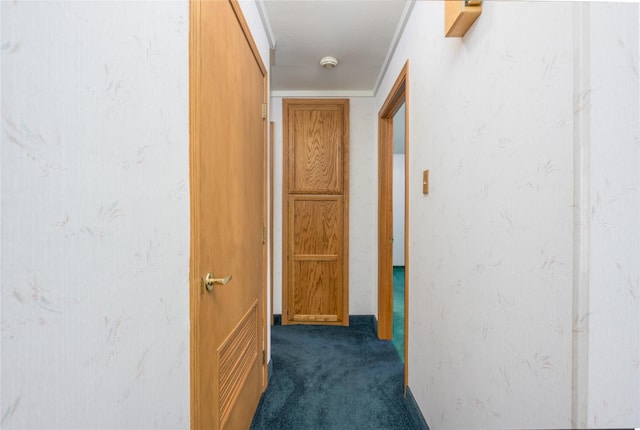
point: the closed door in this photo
(228, 258)
(316, 212)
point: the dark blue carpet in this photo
(398, 310)
(327, 377)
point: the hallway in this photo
(524, 269)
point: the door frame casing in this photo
(195, 272)
(398, 95)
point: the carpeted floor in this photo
(333, 378)
(398, 310)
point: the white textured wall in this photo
(398, 186)
(614, 281)
(398, 130)
(363, 207)
(398, 208)
(95, 215)
(492, 246)
(363, 198)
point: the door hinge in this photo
(264, 110)
(264, 235)
(264, 357)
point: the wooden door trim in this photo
(385, 228)
(286, 193)
(398, 95)
(195, 287)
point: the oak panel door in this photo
(316, 238)
(227, 91)
(316, 149)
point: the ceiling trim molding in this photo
(406, 13)
(264, 16)
(312, 93)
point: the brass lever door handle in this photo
(210, 280)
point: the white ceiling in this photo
(359, 33)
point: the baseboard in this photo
(415, 412)
(362, 319)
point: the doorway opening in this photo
(398, 197)
(394, 115)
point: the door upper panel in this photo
(316, 149)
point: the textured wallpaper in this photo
(502, 118)
(398, 197)
(614, 248)
(95, 215)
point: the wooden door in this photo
(227, 91)
(316, 212)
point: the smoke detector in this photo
(328, 62)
